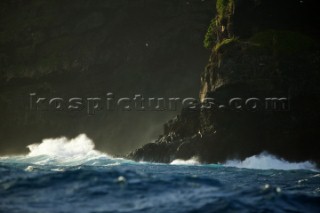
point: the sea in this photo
(69, 175)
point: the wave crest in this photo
(80, 146)
(191, 161)
(266, 161)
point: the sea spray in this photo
(62, 147)
(191, 161)
(266, 161)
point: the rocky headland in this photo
(260, 48)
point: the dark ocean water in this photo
(70, 176)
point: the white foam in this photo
(65, 151)
(191, 161)
(80, 146)
(266, 161)
(29, 169)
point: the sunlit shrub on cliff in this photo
(224, 8)
(225, 42)
(217, 27)
(210, 37)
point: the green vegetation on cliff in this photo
(224, 8)
(210, 37)
(225, 42)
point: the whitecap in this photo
(81, 146)
(191, 161)
(29, 169)
(266, 161)
(63, 151)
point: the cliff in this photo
(260, 49)
(83, 48)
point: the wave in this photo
(63, 151)
(263, 161)
(78, 147)
(81, 151)
(266, 161)
(191, 161)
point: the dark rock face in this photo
(83, 48)
(259, 51)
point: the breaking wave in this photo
(81, 146)
(191, 161)
(81, 151)
(266, 161)
(65, 152)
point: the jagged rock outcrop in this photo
(260, 49)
